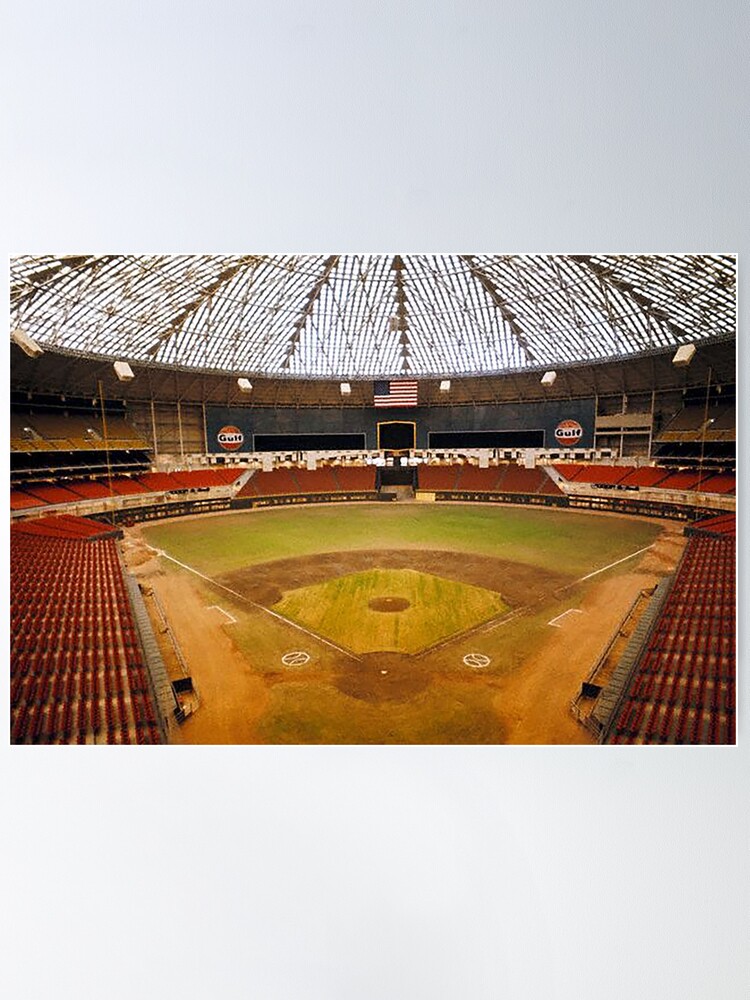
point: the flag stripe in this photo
(400, 393)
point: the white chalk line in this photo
(525, 609)
(260, 607)
(215, 607)
(486, 627)
(616, 563)
(570, 611)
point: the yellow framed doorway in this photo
(383, 443)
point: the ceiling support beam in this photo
(646, 304)
(401, 319)
(328, 265)
(193, 306)
(508, 317)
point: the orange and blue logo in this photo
(230, 437)
(568, 432)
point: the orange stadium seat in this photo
(355, 478)
(89, 489)
(438, 477)
(471, 477)
(681, 481)
(52, 494)
(647, 476)
(20, 500)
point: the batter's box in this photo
(556, 622)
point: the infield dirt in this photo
(518, 583)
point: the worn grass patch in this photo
(318, 713)
(398, 610)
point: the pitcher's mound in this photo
(388, 604)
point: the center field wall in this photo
(505, 417)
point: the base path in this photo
(255, 604)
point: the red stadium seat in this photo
(69, 599)
(692, 649)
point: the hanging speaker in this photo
(683, 356)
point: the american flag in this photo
(399, 393)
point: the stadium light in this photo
(245, 385)
(445, 385)
(346, 389)
(26, 343)
(683, 356)
(123, 371)
(549, 378)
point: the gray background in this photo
(305, 873)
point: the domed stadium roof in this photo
(360, 316)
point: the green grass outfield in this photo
(563, 541)
(339, 609)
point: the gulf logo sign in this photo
(568, 432)
(230, 437)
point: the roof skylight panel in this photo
(543, 310)
(423, 353)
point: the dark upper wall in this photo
(298, 406)
(505, 417)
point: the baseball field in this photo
(394, 623)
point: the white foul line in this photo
(281, 618)
(616, 563)
(215, 607)
(570, 611)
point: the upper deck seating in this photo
(73, 432)
(20, 500)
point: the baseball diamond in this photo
(373, 498)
